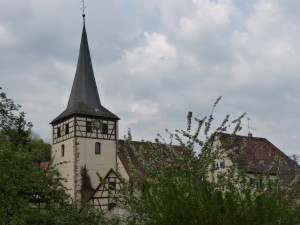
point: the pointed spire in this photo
(84, 88)
(84, 98)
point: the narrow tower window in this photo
(88, 126)
(62, 150)
(58, 132)
(104, 128)
(67, 128)
(97, 148)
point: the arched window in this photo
(62, 150)
(97, 148)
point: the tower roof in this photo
(84, 86)
(84, 98)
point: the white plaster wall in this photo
(66, 169)
(222, 157)
(101, 163)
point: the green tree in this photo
(28, 193)
(14, 130)
(31, 195)
(180, 185)
(40, 149)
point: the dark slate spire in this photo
(84, 86)
(84, 98)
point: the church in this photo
(85, 134)
(85, 140)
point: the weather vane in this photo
(83, 7)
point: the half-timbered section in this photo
(80, 126)
(95, 128)
(63, 130)
(104, 196)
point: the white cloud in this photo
(265, 18)
(157, 55)
(210, 17)
(66, 71)
(142, 112)
(145, 109)
(267, 50)
(156, 60)
(6, 38)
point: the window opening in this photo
(97, 148)
(88, 126)
(111, 205)
(222, 164)
(217, 166)
(104, 128)
(62, 150)
(58, 132)
(112, 185)
(67, 128)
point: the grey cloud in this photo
(228, 59)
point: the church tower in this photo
(85, 134)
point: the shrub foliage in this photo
(181, 185)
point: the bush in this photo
(180, 185)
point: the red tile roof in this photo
(44, 165)
(258, 155)
(133, 158)
(254, 154)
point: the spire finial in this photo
(83, 8)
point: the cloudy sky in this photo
(156, 60)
